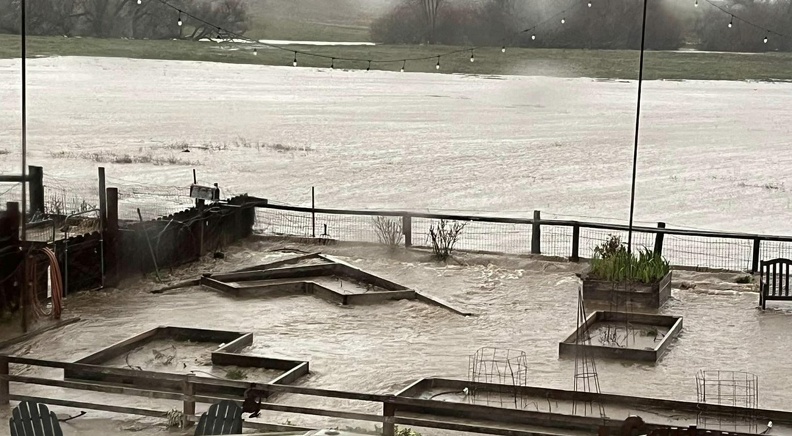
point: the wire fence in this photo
(684, 248)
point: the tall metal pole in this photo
(24, 288)
(23, 31)
(637, 129)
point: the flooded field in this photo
(521, 304)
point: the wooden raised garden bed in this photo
(650, 296)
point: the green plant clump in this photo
(613, 263)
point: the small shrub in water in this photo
(235, 374)
(444, 237)
(388, 230)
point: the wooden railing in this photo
(536, 223)
(496, 422)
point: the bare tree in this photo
(430, 10)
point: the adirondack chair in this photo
(33, 419)
(222, 418)
(774, 281)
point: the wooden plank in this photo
(468, 428)
(237, 344)
(299, 271)
(120, 348)
(219, 286)
(377, 297)
(321, 412)
(293, 374)
(91, 406)
(30, 335)
(121, 372)
(95, 387)
(226, 359)
(4, 386)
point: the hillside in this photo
(335, 20)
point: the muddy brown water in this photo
(521, 304)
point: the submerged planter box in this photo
(622, 335)
(641, 295)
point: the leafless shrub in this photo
(389, 231)
(444, 237)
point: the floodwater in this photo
(713, 154)
(521, 304)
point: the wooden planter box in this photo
(651, 296)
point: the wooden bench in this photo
(774, 281)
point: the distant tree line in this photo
(123, 18)
(608, 24)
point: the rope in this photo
(39, 309)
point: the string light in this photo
(589, 4)
(472, 56)
(179, 21)
(503, 49)
(255, 52)
(404, 64)
(533, 37)
(140, 2)
(437, 67)
(731, 22)
(765, 39)
(563, 20)
(294, 62)
(696, 4)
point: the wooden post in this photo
(313, 211)
(102, 199)
(407, 230)
(203, 225)
(112, 239)
(36, 178)
(536, 233)
(189, 402)
(5, 385)
(575, 257)
(659, 236)
(388, 426)
(755, 261)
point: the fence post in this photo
(536, 233)
(313, 212)
(659, 236)
(36, 178)
(102, 199)
(575, 257)
(407, 230)
(5, 385)
(388, 426)
(755, 263)
(112, 253)
(189, 402)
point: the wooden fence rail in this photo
(396, 410)
(537, 223)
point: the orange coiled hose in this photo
(56, 281)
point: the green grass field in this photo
(605, 64)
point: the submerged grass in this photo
(603, 64)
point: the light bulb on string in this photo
(765, 40)
(503, 49)
(140, 2)
(255, 52)
(533, 37)
(731, 22)
(589, 4)
(437, 67)
(404, 64)
(563, 20)
(294, 62)
(696, 4)
(179, 21)
(472, 56)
